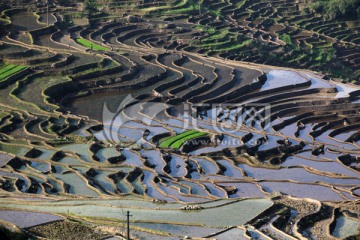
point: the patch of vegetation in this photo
(6, 68)
(90, 6)
(287, 39)
(66, 230)
(323, 55)
(217, 36)
(91, 45)
(209, 30)
(178, 140)
(171, 140)
(181, 7)
(235, 45)
(9, 70)
(10, 148)
(338, 9)
(186, 6)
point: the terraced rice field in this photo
(26, 219)
(90, 45)
(179, 117)
(177, 141)
(8, 70)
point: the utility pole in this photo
(47, 12)
(200, 7)
(128, 224)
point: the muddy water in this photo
(215, 191)
(231, 170)
(295, 174)
(345, 227)
(26, 219)
(154, 157)
(317, 192)
(77, 184)
(25, 21)
(281, 78)
(324, 166)
(92, 106)
(244, 190)
(152, 190)
(177, 166)
(208, 167)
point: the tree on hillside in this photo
(104, 4)
(336, 9)
(90, 6)
(63, 2)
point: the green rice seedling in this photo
(170, 141)
(180, 142)
(91, 45)
(10, 72)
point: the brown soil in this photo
(66, 230)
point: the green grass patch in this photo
(221, 40)
(177, 141)
(209, 30)
(179, 4)
(181, 141)
(164, 139)
(14, 149)
(189, 7)
(323, 55)
(172, 140)
(299, 57)
(239, 4)
(6, 68)
(218, 45)
(233, 45)
(288, 40)
(91, 45)
(9, 70)
(218, 36)
(181, 7)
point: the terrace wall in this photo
(271, 91)
(294, 94)
(195, 143)
(148, 82)
(64, 62)
(98, 73)
(59, 91)
(43, 31)
(16, 55)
